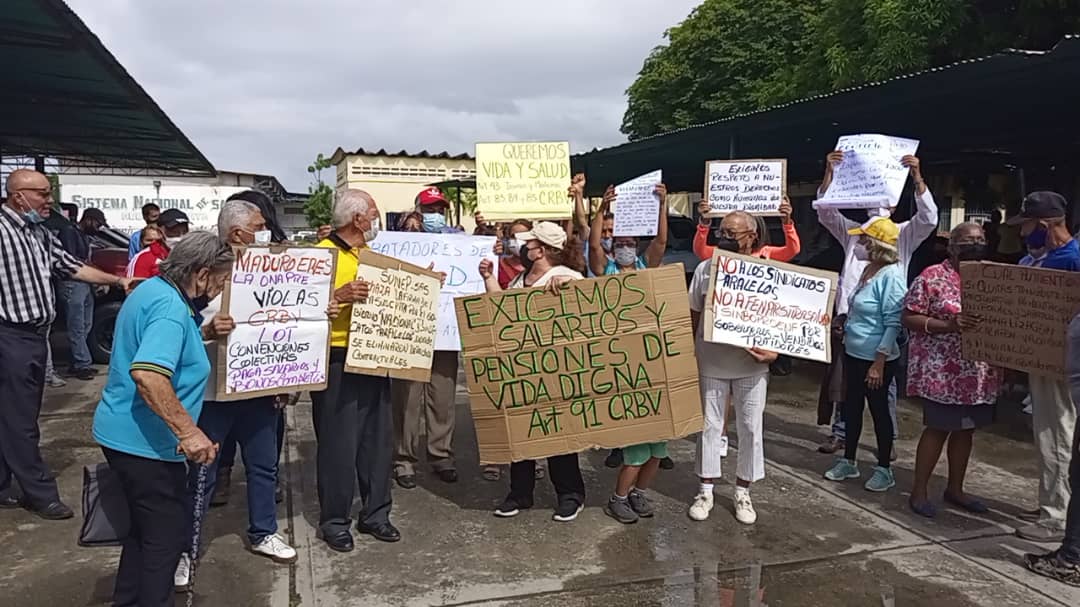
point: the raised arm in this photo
(701, 235)
(654, 254)
(597, 258)
(581, 217)
(792, 244)
(925, 220)
(832, 219)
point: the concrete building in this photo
(394, 179)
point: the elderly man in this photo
(29, 257)
(252, 423)
(353, 419)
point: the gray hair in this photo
(235, 214)
(881, 253)
(195, 251)
(963, 228)
(351, 203)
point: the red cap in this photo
(430, 196)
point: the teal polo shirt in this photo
(157, 330)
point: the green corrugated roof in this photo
(65, 96)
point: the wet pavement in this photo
(816, 543)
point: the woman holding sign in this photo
(544, 254)
(792, 245)
(729, 375)
(870, 348)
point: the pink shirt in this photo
(937, 369)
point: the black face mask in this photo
(970, 252)
(527, 261)
(200, 303)
(727, 244)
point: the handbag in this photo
(106, 516)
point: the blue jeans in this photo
(254, 425)
(78, 298)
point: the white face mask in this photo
(860, 252)
(172, 241)
(262, 237)
(625, 256)
(372, 232)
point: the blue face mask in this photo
(434, 222)
(1036, 239)
(606, 244)
(32, 216)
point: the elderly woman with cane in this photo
(146, 420)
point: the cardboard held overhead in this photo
(608, 362)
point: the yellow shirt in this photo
(348, 262)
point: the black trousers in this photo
(858, 394)
(22, 382)
(354, 429)
(155, 492)
(565, 477)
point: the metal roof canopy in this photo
(1019, 106)
(66, 97)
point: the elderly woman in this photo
(145, 422)
(870, 348)
(549, 261)
(958, 395)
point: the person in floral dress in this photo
(958, 395)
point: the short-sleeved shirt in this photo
(718, 361)
(157, 330)
(937, 369)
(29, 257)
(613, 268)
(1066, 257)
(348, 262)
(519, 280)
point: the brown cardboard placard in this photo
(745, 184)
(278, 296)
(608, 362)
(1025, 315)
(771, 305)
(392, 334)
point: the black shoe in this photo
(406, 481)
(614, 459)
(448, 476)
(667, 464)
(568, 509)
(84, 374)
(340, 541)
(384, 532)
(9, 501)
(55, 511)
(512, 507)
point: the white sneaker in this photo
(182, 577)
(744, 509)
(275, 547)
(703, 503)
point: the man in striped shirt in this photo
(29, 256)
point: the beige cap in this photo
(546, 232)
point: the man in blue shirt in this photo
(150, 213)
(1043, 228)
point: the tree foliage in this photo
(320, 200)
(734, 56)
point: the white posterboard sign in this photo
(755, 186)
(770, 305)
(457, 255)
(278, 298)
(871, 175)
(637, 207)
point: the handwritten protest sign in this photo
(607, 362)
(870, 176)
(637, 207)
(770, 305)
(1025, 313)
(278, 298)
(527, 179)
(392, 334)
(754, 186)
(457, 255)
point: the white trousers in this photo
(1053, 419)
(748, 397)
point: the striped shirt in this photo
(29, 256)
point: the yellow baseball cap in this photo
(881, 229)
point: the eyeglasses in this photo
(40, 191)
(733, 234)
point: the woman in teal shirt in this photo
(870, 348)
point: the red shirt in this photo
(145, 263)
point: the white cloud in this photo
(264, 85)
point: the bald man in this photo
(29, 256)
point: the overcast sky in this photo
(263, 86)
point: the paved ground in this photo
(816, 543)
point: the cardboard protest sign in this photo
(607, 362)
(870, 176)
(278, 298)
(1025, 315)
(637, 207)
(456, 255)
(525, 179)
(755, 186)
(392, 333)
(770, 305)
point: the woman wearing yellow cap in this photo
(870, 348)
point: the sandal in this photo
(968, 503)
